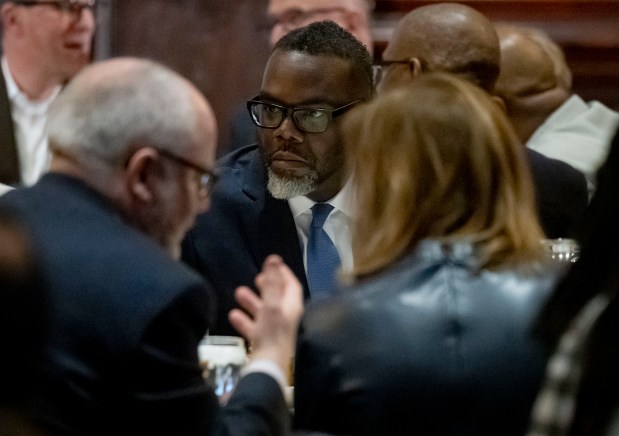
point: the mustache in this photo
(289, 147)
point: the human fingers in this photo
(268, 281)
(242, 323)
(248, 300)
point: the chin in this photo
(288, 187)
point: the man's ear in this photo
(140, 172)
(414, 67)
(500, 102)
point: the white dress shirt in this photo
(29, 121)
(337, 225)
(578, 133)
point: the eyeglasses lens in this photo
(271, 116)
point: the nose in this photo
(277, 32)
(288, 129)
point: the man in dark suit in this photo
(133, 144)
(44, 45)
(457, 39)
(263, 203)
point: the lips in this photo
(287, 161)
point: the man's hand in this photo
(270, 321)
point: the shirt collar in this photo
(343, 201)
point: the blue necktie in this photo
(322, 257)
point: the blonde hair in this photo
(438, 159)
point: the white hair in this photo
(106, 111)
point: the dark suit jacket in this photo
(125, 322)
(9, 164)
(561, 194)
(432, 346)
(244, 225)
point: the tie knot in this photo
(320, 212)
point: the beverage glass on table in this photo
(562, 249)
(222, 358)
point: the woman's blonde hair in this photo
(439, 159)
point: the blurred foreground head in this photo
(144, 137)
(22, 315)
(439, 159)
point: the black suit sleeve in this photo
(171, 396)
(561, 194)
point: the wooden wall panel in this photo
(220, 45)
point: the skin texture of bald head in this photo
(446, 37)
(115, 125)
(534, 80)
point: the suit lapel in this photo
(9, 165)
(269, 224)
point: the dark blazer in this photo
(125, 322)
(244, 225)
(431, 346)
(9, 164)
(561, 194)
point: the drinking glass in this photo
(222, 358)
(562, 249)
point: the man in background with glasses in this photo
(455, 38)
(264, 202)
(352, 15)
(45, 43)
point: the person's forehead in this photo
(279, 7)
(295, 78)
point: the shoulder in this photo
(426, 281)
(239, 158)
(546, 169)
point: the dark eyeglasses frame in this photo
(73, 6)
(331, 113)
(207, 177)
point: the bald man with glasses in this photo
(44, 43)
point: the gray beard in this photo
(288, 187)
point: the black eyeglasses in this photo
(73, 6)
(207, 177)
(309, 120)
(378, 69)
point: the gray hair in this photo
(107, 112)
